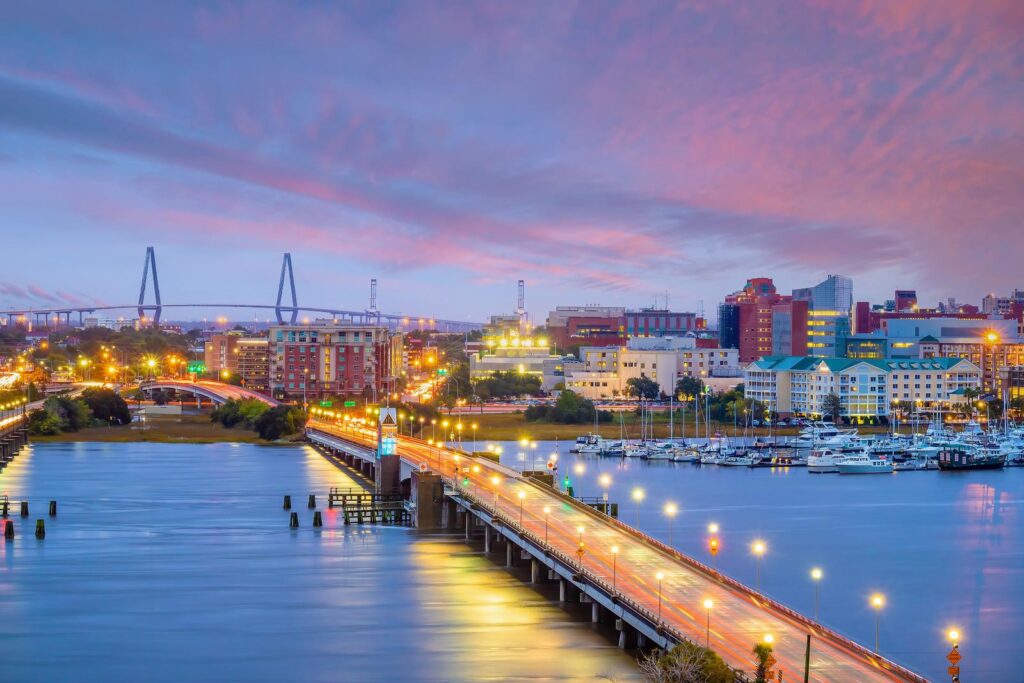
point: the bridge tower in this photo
(388, 465)
(156, 308)
(286, 265)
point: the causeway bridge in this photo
(14, 428)
(655, 594)
(218, 392)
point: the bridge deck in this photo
(740, 616)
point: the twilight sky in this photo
(604, 152)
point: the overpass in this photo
(218, 392)
(14, 427)
(654, 592)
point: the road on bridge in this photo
(739, 617)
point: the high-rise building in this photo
(830, 304)
(333, 359)
(757, 319)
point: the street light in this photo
(659, 576)
(878, 602)
(954, 656)
(474, 426)
(816, 576)
(708, 604)
(758, 549)
(713, 529)
(615, 554)
(605, 480)
(638, 497)
(670, 509)
(494, 482)
(522, 499)
(579, 549)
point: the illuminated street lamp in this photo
(522, 499)
(605, 481)
(954, 656)
(708, 604)
(547, 511)
(638, 497)
(877, 602)
(758, 548)
(474, 426)
(579, 549)
(713, 529)
(816, 576)
(494, 482)
(670, 510)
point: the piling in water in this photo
(318, 520)
(8, 530)
(40, 529)
(6, 508)
(294, 521)
(287, 502)
(312, 501)
(53, 508)
(24, 508)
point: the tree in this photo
(686, 663)
(689, 387)
(643, 387)
(280, 421)
(107, 406)
(762, 651)
(831, 407)
(507, 385)
(60, 414)
(245, 412)
(570, 408)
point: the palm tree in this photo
(762, 651)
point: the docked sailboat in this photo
(823, 461)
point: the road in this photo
(738, 618)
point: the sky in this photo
(605, 152)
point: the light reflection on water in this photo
(946, 548)
(175, 563)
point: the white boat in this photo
(862, 463)
(685, 455)
(591, 444)
(823, 461)
(660, 451)
(911, 464)
(635, 450)
(738, 460)
(710, 458)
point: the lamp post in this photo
(605, 480)
(474, 426)
(954, 655)
(708, 604)
(522, 499)
(659, 576)
(670, 510)
(816, 576)
(758, 549)
(878, 602)
(615, 554)
(638, 497)
(494, 482)
(579, 549)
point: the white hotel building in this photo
(797, 385)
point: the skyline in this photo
(604, 155)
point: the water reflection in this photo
(175, 563)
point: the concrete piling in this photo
(508, 555)
(312, 502)
(53, 508)
(6, 508)
(318, 520)
(287, 502)
(9, 530)
(24, 508)
(534, 571)
(293, 522)
(595, 612)
(561, 590)
(40, 529)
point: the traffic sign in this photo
(953, 670)
(350, 404)
(196, 367)
(326, 404)
(954, 656)
(771, 661)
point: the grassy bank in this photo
(186, 429)
(511, 427)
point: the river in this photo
(175, 563)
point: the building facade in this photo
(791, 385)
(329, 359)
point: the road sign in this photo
(350, 404)
(197, 367)
(953, 670)
(326, 404)
(954, 656)
(771, 661)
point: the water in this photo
(946, 549)
(175, 563)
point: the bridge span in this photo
(218, 392)
(656, 591)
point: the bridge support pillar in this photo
(487, 539)
(563, 589)
(509, 561)
(624, 629)
(467, 520)
(534, 571)
(595, 613)
(427, 494)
